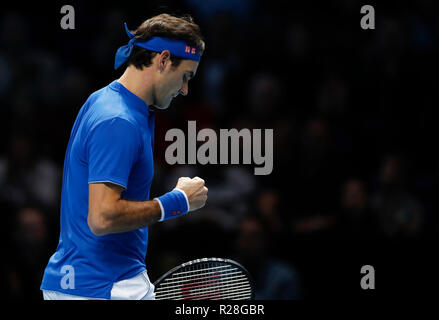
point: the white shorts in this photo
(136, 288)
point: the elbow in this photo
(97, 230)
(98, 225)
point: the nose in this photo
(184, 89)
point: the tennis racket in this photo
(206, 279)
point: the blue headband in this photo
(177, 48)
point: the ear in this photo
(163, 59)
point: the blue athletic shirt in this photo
(111, 140)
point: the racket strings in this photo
(177, 274)
(199, 273)
(222, 287)
(205, 281)
(244, 293)
(204, 273)
(204, 284)
(208, 275)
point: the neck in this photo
(138, 82)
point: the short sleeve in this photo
(112, 148)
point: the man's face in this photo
(174, 81)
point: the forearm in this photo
(109, 213)
(125, 215)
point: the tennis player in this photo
(108, 169)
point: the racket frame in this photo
(207, 260)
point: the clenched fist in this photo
(195, 191)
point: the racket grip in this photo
(173, 204)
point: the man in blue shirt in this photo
(108, 169)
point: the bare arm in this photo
(108, 213)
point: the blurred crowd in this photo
(351, 110)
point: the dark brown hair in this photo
(166, 26)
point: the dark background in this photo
(355, 164)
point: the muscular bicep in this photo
(101, 200)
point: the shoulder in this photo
(113, 134)
(117, 127)
(108, 106)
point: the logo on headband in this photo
(189, 49)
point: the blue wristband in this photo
(173, 204)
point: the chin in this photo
(161, 107)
